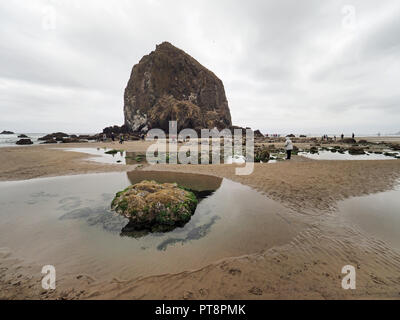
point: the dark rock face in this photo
(116, 130)
(168, 84)
(71, 140)
(24, 142)
(313, 150)
(258, 134)
(349, 140)
(58, 136)
(356, 151)
(66, 138)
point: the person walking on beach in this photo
(121, 138)
(112, 136)
(289, 148)
(104, 137)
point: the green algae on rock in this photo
(154, 206)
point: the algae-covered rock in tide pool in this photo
(261, 154)
(356, 151)
(154, 206)
(313, 150)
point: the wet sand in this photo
(20, 163)
(307, 266)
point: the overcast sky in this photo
(287, 66)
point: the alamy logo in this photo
(204, 150)
(49, 280)
(349, 281)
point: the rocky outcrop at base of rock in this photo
(117, 130)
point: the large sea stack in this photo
(168, 84)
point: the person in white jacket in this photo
(289, 148)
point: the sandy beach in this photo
(306, 267)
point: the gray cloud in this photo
(286, 65)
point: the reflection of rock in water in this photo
(69, 203)
(43, 194)
(36, 197)
(99, 216)
(201, 231)
(194, 234)
(194, 182)
(132, 230)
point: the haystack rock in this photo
(168, 84)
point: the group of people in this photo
(325, 137)
(121, 137)
(274, 135)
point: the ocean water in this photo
(9, 140)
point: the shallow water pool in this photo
(328, 155)
(67, 222)
(377, 215)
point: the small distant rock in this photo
(7, 132)
(394, 146)
(261, 154)
(349, 140)
(24, 142)
(23, 136)
(258, 134)
(313, 150)
(58, 136)
(356, 151)
(71, 140)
